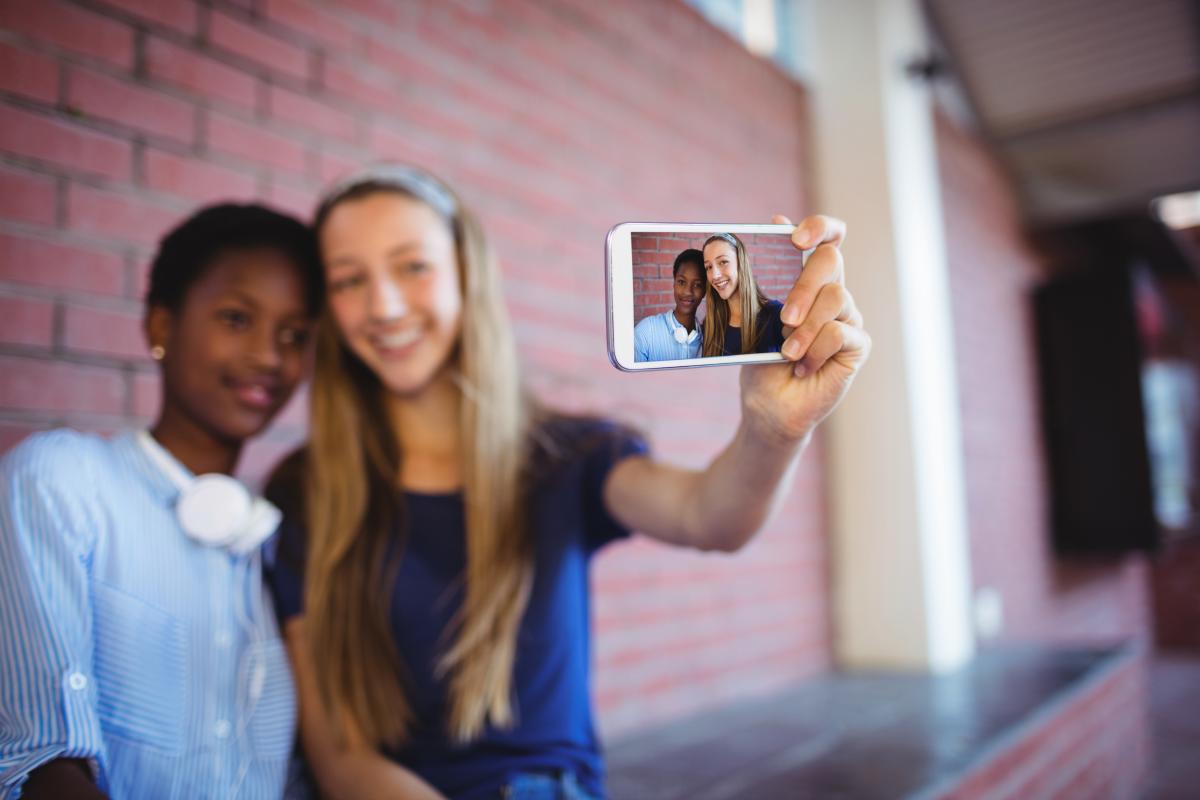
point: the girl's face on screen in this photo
(720, 264)
(689, 288)
(391, 268)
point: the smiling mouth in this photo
(254, 395)
(720, 285)
(397, 344)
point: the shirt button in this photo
(77, 681)
(223, 639)
(221, 729)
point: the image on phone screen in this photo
(698, 294)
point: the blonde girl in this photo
(432, 573)
(741, 319)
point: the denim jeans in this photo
(540, 786)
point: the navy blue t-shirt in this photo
(554, 729)
(770, 331)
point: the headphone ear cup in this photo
(264, 518)
(213, 509)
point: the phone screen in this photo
(684, 295)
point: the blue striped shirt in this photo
(654, 339)
(125, 643)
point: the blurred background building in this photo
(986, 578)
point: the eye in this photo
(345, 282)
(235, 318)
(294, 337)
(415, 267)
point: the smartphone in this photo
(684, 294)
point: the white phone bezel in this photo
(618, 259)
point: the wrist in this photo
(765, 434)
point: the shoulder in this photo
(56, 457)
(285, 484)
(285, 489)
(648, 323)
(561, 441)
(588, 449)
(769, 314)
(52, 481)
(557, 430)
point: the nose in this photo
(265, 352)
(387, 301)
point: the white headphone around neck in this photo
(218, 511)
(215, 509)
(683, 336)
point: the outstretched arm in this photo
(724, 505)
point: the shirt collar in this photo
(151, 474)
(673, 323)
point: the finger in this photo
(838, 341)
(849, 313)
(831, 304)
(824, 266)
(780, 219)
(819, 229)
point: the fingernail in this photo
(804, 232)
(799, 370)
(790, 315)
(791, 349)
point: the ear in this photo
(157, 326)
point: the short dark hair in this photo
(689, 256)
(192, 246)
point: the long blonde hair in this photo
(753, 299)
(352, 503)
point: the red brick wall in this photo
(992, 271)
(556, 120)
(1094, 744)
(774, 261)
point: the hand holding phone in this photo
(826, 344)
(698, 294)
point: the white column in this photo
(900, 548)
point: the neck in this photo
(198, 449)
(735, 308)
(686, 320)
(428, 428)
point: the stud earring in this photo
(157, 352)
